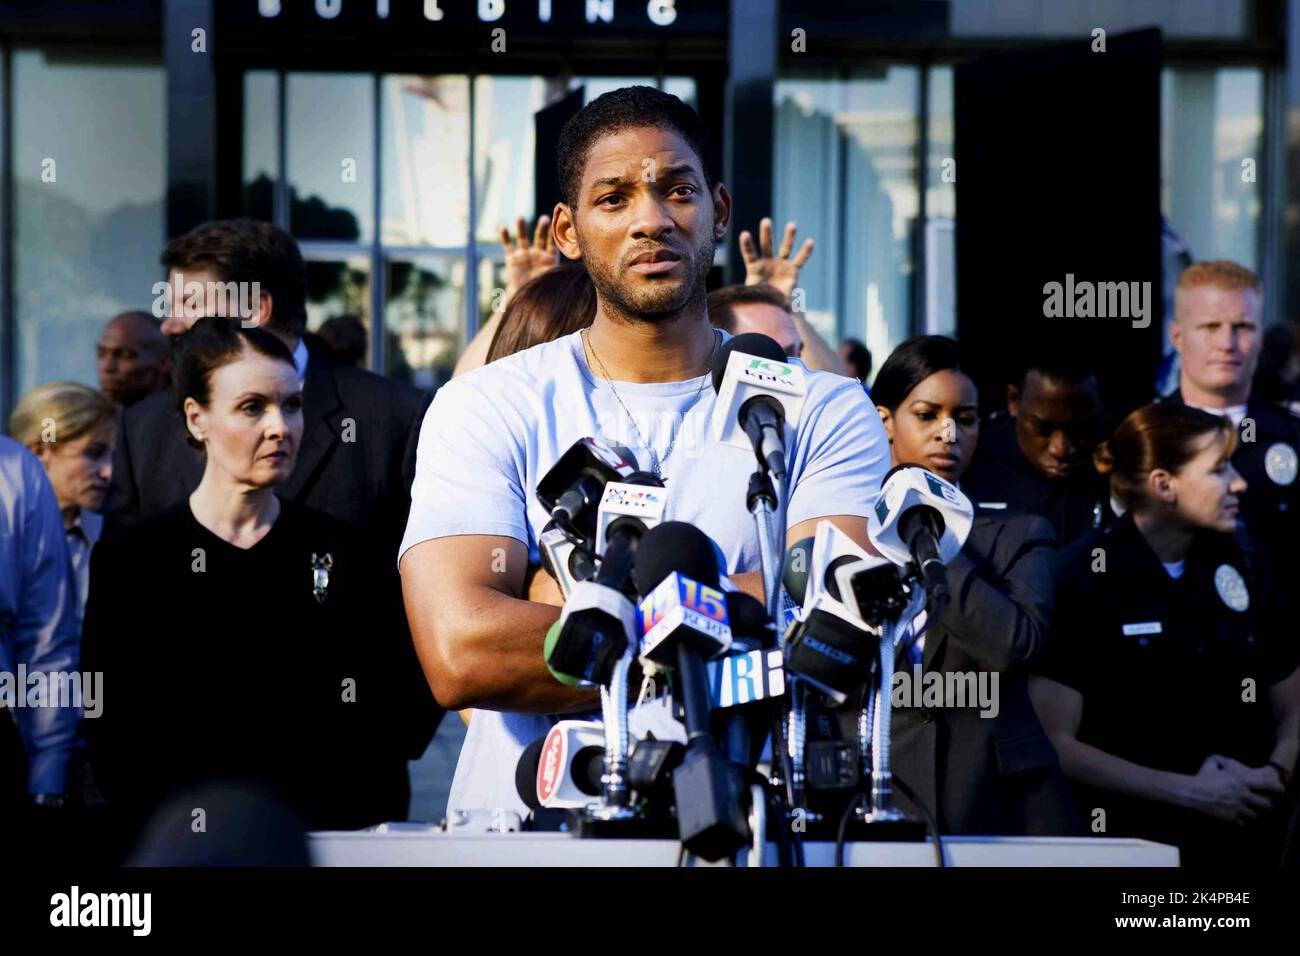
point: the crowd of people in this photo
(286, 567)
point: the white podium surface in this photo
(414, 847)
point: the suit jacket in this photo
(989, 775)
(356, 463)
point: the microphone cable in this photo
(787, 771)
(931, 824)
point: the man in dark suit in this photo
(360, 430)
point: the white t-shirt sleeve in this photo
(843, 456)
(468, 471)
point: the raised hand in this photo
(524, 260)
(777, 270)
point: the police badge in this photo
(320, 575)
(1231, 587)
(1280, 463)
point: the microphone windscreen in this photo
(526, 772)
(674, 546)
(794, 575)
(749, 621)
(587, 767)
(645, 478)
(751, 343)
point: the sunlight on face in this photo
(936, 425)
(253, 423)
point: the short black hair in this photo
(1052, 357)
(207, 346)
(346, 337)
(246, 250)
(859, 358)
(911, 364)
(630, 107)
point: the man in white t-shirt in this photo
(644, 213)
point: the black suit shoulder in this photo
(355, 384)
(1001, 534)
(151, 421)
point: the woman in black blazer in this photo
(980, 769)
(244, 638)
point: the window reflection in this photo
(504, 145)
(845, 165)
(424, 319)
(1212, 120)
(330, 161)
(338, 288)
(88, 220)
(426, 160)
(261, 133)
(941, 209)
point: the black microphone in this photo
(707, 787)
(759, 413)
(526, 773)
(592, 639)
(923, 519)
(921, 529)
(585, 768)
(622, 536)
(571, 490)
(743, 728)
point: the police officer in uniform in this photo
(1036, 455)
(1167, 689)
(1217, 333)
(980, 770)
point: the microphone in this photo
(745, 684)
(919, 517)
(599, 620)
(562, 769)
(564, 558)
(829, 645)
(759, 394)
(676, 565)
(570, 490)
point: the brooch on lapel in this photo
(320, 575)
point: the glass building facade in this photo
(396, 181)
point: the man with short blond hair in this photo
(1217, 333)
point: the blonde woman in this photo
(72, 428)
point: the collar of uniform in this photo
(89, 525)
(1209, 549)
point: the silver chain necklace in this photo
(655, 462)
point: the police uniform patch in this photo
(1231, 587)
(1280, 463)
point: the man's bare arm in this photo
(751, 582)
(479, 642)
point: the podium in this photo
(408, 845)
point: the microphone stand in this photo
(613, 711)
(790, 730)
(763, 504)
(875, 720)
